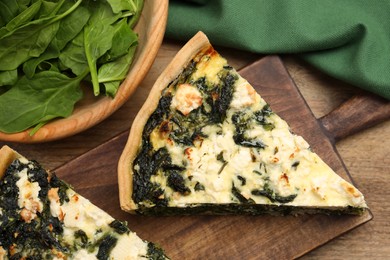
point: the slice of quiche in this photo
(206, 142)
(42, 217)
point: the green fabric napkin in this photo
(347, 39)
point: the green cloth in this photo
(347, 39)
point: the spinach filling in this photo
(144, 189)
(105, 247)
(272, 195)
(221, 98)
(176, 182)
(262, 117)
(155, 253)
(158, 115)
(148, 164)
(81, 238)
(37, 237)
(237, 194)
(243, 120)
(119, 227)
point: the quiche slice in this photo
(206, 142)
(42, 217)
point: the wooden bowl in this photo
(92, 110)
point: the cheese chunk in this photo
(186, 99)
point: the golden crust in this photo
(125, 174)
(7, 156)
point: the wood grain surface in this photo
(365, 154)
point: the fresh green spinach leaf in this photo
(113, 73)
(137, 7)
(69, 28)
(111, 88)
(50, 8)
(120, 5)
(8, 77)
(23, 4)
(25, 43)
(30, 66)
(116, 70)
(29, 40)
(8, 10)
(97, 40)
(48, 95)
(25, 16)
(122, 39)
(73, 56)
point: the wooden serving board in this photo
(94, 175)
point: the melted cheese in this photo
(81, 214)
(209, 67)
(245, 95)
(85, 255)
(28, 197)
(129, 247)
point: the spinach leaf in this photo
(97, 40)
(268, 192)
(241, 120)
(46, 96)
(69, 28)
(137, 6)
(176, 181)
(25, 16)
(23, 4)
(111, 74)
(8, 10)
(50, 8)
(122, 40)
(45, 20)
(73, 56)
(29, 40)
(8, 77)
(128, 8)
(98, 34)
(30, 66)
(105, 247)
(121, 5)
(111, 88)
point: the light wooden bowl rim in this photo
(92, 110)
(174, 68)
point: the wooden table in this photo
(365, 154)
